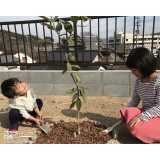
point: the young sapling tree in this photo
(78, 92)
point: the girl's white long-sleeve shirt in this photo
(24, 104)
(149, 94)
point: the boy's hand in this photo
(40, 115)
(38, 122)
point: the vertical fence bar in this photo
(153, 33)
(10, 43)
(124, 37)
(82, 40)
(59, 40)
(30, 42)
(44, 44)
(107, 40)
(75, 40)
(17, 42)
(90, 40)
(52, 43)
(4, 46)
(134, 30)
(143, 31)
(24, 43)
(98, 38)
(115, 37)
(37, 40)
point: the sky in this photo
(29, 10)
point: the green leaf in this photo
(44, 24)
(83, 87)
(70, 30)
(68, 27)
(69, 67)
(53, 19)
(71, 91)
(85, 18)
(76, 66)
(74, 19)
(66, 55)
(78, 104)
(59, 27)
(74, 97)
(71, 57)
(45, 18)
(62, 21)
(51, 27)
(70, 41)
(77, 76)
(64, 71)
(72, 105)
(83, 95)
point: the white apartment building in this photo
(137, 40)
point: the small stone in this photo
(124, 104)
(51, 124)
(38, 132)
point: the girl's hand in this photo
(133, 122)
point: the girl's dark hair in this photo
(142, 59)
(7, 87)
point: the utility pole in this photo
(137, 31)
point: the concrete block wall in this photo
(119, 83)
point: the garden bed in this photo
(66, 133)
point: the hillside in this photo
(19, 36)
(12, 36)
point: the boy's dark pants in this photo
(15, 116)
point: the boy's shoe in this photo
(13, 130)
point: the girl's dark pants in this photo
(15, 116)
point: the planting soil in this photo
(66, 133)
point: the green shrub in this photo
(23, 67)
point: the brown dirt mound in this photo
(63, 133)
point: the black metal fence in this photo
(17, 38)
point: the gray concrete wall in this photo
(98, 83)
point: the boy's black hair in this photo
(7, 87)
(142, 59)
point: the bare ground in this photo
(102, 109)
